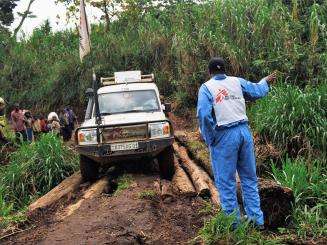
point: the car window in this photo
(128, 101)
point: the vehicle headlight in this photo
(87, 137)
(161, 129)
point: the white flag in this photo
(84, 33)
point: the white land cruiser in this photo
(131, 124)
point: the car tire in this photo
(166, 163)
(89, 169)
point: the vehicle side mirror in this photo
(167, 107)
(89, 92)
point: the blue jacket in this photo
(207, 122)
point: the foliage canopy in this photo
(6, 12)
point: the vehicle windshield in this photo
(128, 101)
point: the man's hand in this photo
(271, 78)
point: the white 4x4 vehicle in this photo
(125, 120)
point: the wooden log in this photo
(67, 186)
(200, 155)
(198, 176)
(181, 136)
(214, 194)
(94, 191)
(182, 184)
(167, 194)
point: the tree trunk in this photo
(94, 191)
(106, 15)
(182, 185)
(198, 176)
(67, 186)
(183, 139)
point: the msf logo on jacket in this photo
(223, 94)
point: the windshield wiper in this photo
(132, 111)
(122, 112)
(105, 113)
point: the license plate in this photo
(124, 146)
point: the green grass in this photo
(308, 180)
(294, 119)
(123, 183)
(33, 170)
(310, 222)
(207, 208)
(10, 219)
(147, 194)
(309, 184)
(219, 230)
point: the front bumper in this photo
(147, 148)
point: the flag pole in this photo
(84, 49)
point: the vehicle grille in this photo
(125, 133)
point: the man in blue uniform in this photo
(224, 127)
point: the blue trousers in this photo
(231, 151)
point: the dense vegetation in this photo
(33, 170)
(294, 119)
(175, 42)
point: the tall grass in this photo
(33, 170)
(308, 180)
(309, 183)
(294, 119)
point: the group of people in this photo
(28, 127)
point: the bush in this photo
(294, 120)
(35, 169)
(309, 183)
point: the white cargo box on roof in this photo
(127, 77)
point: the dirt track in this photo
(119, 219)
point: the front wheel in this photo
(89, 169)
(166, 163)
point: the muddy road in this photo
(134, 215)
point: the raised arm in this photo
(253, 91)
(204, 115)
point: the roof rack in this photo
(127, 77)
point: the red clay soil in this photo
(122, 219)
